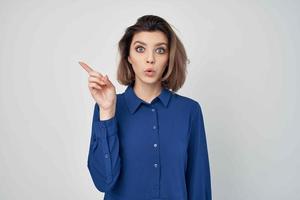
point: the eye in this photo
(162, 50)
(139, 47)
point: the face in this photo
(149, 52)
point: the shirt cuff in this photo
(107, 127)
(107, 122)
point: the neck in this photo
(147, 92)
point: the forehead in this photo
(150, 38)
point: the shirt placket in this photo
(156, 151)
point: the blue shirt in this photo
(150, 151)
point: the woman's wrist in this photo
(106, 114)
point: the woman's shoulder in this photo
(186, 100)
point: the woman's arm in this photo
(198, 172)
(103, 157)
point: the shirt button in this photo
(106, 155)
(154, 127)
(155, 145)
(153, 109)
(155, 165)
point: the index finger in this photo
(86, 67)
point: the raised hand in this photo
(102, 90)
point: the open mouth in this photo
(149, 69)
(149, 72)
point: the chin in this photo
(149, 80)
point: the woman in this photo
(148, 142)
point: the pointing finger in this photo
(86, 67)
(96, 74)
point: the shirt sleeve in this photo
(103, 157)
(198, 170)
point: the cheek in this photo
(165, 58)
(136, 59)
(164, 62)
(136, 64)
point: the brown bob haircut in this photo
(175, 73)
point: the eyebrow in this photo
(157, 44)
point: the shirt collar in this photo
(133, 101)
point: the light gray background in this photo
(244, 71)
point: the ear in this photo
(129, 59)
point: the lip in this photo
(149, 69)
(149, 73)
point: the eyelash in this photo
(143, 47)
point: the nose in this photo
(150, 61)
(150, 58)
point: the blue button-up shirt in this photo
(150, 151)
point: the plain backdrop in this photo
(244, 70)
